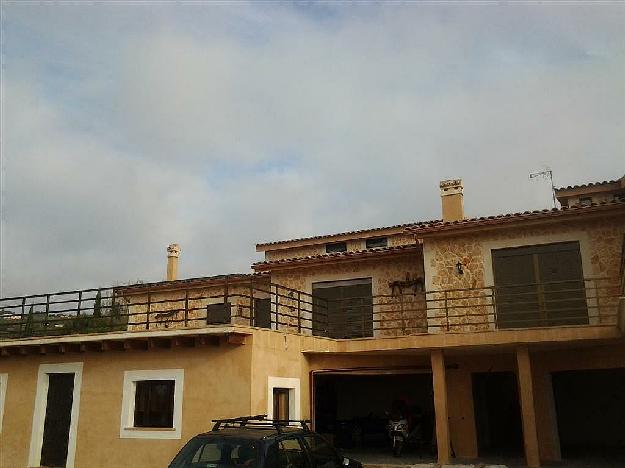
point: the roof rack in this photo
(259, 421)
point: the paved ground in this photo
(381, 459)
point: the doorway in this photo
(497, 414)
(55, 420)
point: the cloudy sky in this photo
(218, 125)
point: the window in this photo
(585, 201)
(217, 314)
(336, 247)
(541, 285)
(3, 392)
(376, 242)
(322, 455)
(287, 453)
(217, 451)
(283, 398)
(343, 309)
(281, 403)
(152, 404)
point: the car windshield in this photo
(213, 452)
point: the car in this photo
(258, 442)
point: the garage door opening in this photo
(497, 414)
(351, 410)
(590, 407)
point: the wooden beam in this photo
(4, 352)
(236, 339)
(43, 349)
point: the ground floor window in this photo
(283, 398)
(152, 404)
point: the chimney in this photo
(173, 252)
(451, 200)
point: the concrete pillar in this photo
(173, 252)
(440, 407)
(528, 411)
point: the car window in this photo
(287, 453)
(321, 454)
(221, 453)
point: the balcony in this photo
(256, 302)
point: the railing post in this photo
(186, 307)
(494, 304)
(79, 304)
(149, 309)
(446, 309)
(226, 306)
(277, 307)
(22, 324)
(252, 309)
(299, 312)
(47, 324)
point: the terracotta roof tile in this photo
(590, 184)
(188, 282)
(260, 266)
(346, 233)
(440, 226)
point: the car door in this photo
(321, 454)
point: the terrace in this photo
(253, 301)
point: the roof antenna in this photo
(548, 175)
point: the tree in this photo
(97, 305)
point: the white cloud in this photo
(220, 127)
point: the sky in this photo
(127, 126)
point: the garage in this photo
(590, 407)
(351, 408)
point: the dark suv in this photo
(256, 442)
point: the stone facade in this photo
(600, 248)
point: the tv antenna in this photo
(547, 174)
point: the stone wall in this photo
(600, 248)
(398, 308)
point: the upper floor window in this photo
(336, 247)
(376, 242)
(585, 201)
(540, 285)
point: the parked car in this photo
(257, 442)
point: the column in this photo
(440, 407)
(528, 411)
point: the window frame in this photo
(333, 247)
(293, 385)
(373, 240)
(127, 429)
(4, 378)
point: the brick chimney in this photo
(451, 200)
(173, 252)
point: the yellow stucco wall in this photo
(217, 383)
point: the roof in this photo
(590, 185)
(354, 254)
(190, 282)
(252, 433)
(510, 218)
(374, 231)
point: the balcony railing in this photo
(263, 304)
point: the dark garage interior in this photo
(497, 414)
(590, 407)
(351, 409)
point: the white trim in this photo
(39, 414)
(3, 392)
(293, 384)
(126, 425)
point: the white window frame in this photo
(39, 414)
(293, 385)
(3, 392)
(127, 429)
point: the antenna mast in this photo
(548, 175)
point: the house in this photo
(502, 335)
